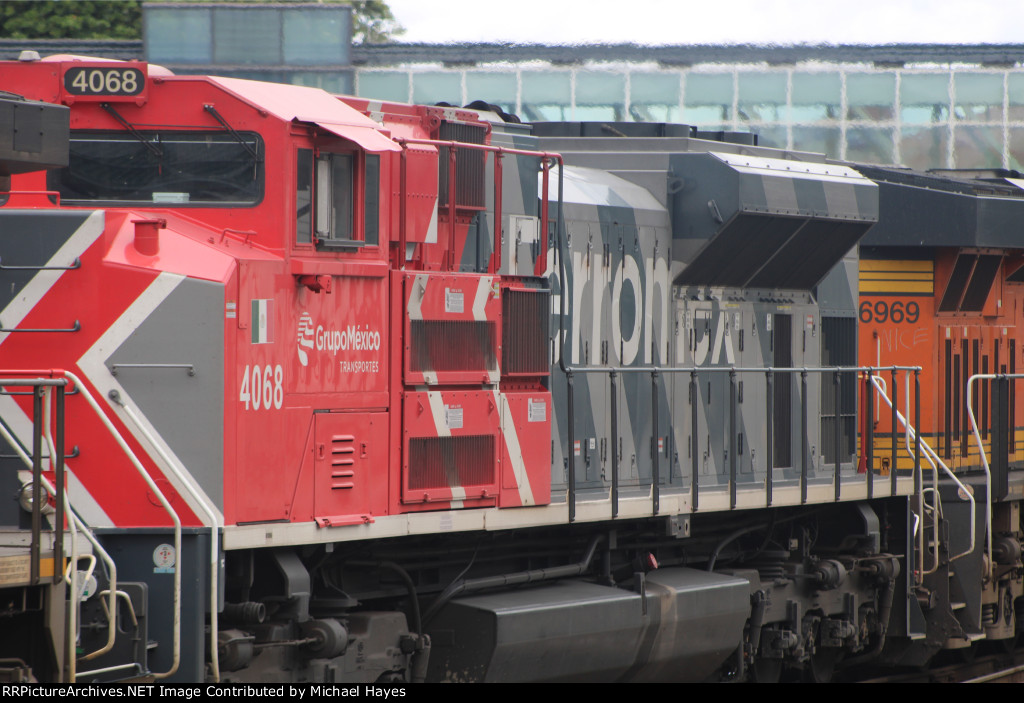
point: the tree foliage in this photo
(373, 23)
(88, 19)
(372, 20)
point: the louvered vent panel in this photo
(343, 464)
(441, 462)
(524, 335)
(469, 165)
(452, 345)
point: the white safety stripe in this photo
(374, 109)
(458, 496)
(431, 237)
(20, 425)
(415, 311)
(437, 412)
(441, 427)
(515, 452)
(93, 366)
(29, 296)
(483, 292)
(416, 296)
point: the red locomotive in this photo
(361, 391)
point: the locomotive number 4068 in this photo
(87, 80)
(261, 387)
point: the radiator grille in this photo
(441, 462)
(524, 334)
(452, 345)
(469, 165)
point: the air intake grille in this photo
(343, 451)
(469, 165)
(442, 462)
(452, 345)
(524, 333)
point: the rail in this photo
(936, 462)
(547, 159)
(733, 372)
(984, 458)
(41, 388)
(63, 508)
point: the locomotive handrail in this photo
(984, 460)
(77, 263)
(932, 457)
(214, 539)
(546, 158)
(654, 370)
(74, 522)
(140, 469)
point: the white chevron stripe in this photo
(483, 293)
(33, 292)
(93, 366)
(515, 452)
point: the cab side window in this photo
(334, 184)
(304, 198)
(328, 188)
(371, 200)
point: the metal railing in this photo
(40, 390)
(984, 458)
(59, 378)
(733, 372)
(936, 462)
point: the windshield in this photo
(183, 168)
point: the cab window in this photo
(328, 188)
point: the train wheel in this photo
(766, 670)
(822, 665)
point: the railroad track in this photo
(1003, 667)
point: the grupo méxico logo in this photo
(330, 339)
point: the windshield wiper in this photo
(134, 132)
(238, 137)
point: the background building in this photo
(926, 106)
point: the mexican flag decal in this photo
(262, 321)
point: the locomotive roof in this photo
(947, 181)
(293, 103)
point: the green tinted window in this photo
(870, 96)
(252, 35)
(436, 87)
(924, 98)
(384, 85)
(492, 87)
(978, 146)
(870, 144)
(978, 96)
(654, 97)
(815, 96)
(178, 35)
(316, 36)
(546, 95)
(762, 96)
(708, 99)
